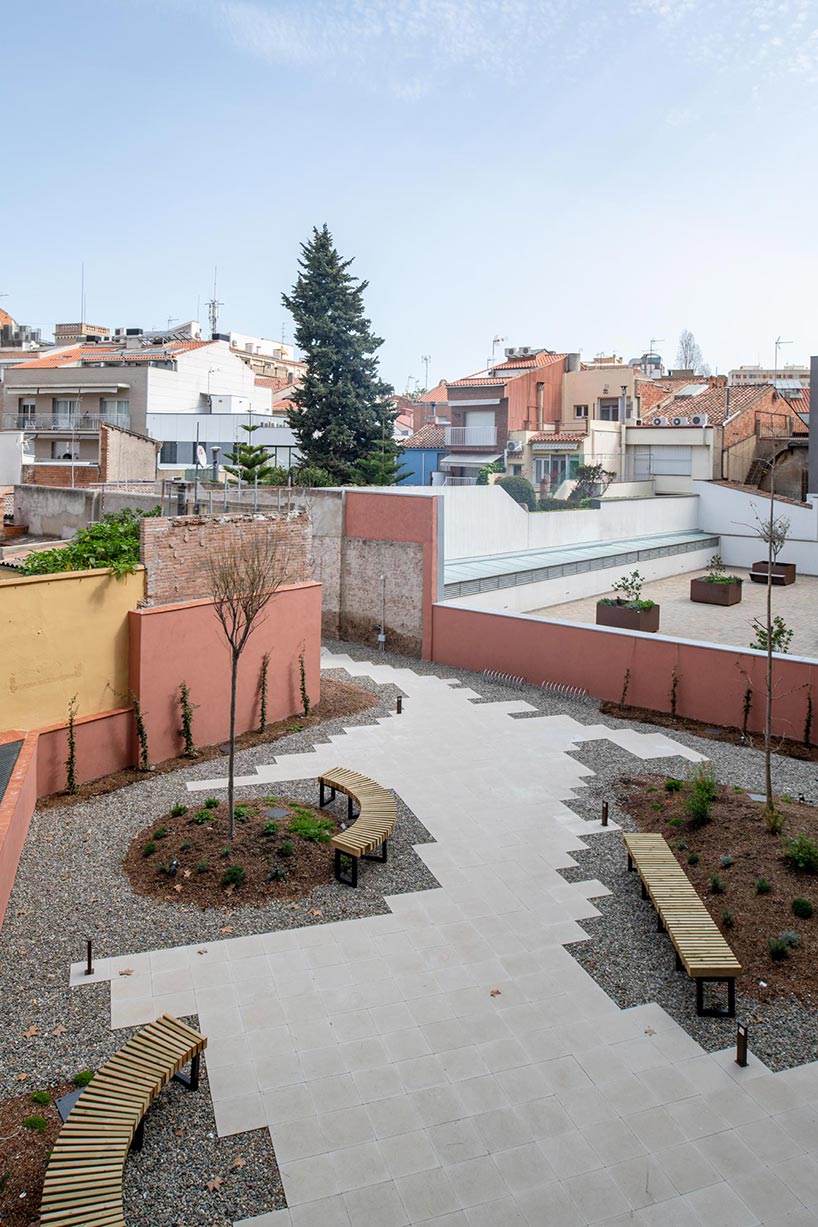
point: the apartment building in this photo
(791, 374)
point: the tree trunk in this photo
(231, 759)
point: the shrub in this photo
(187, 709)
(276, 874)
(790, 938)
(802, 908)
(83, 1077)
(656, 805)
(161, 833)
(672, 822)
(728, 919)
(185, 846)
(203, 816)
(41, 1098)
(716, 885)
(178, 810)
(802, 853)
(703, 792)
(763, 887)
(227, 850)
(163, 868)
(773, 820)
(698, 809)
(211, 803)
(240, 813)
(202, 866)
(311, 827)
(286, 848)
(778, 949)
(270, 828)
(673, 785)
(37, 1124)
(726, 860)
(233, 876)
(693, 858)
(149, 849)
(521, 490)
(681, 845)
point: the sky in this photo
(575, 174)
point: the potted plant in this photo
(716, 587)
(774, 534)
(627, 611)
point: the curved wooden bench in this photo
(700, 946)
(369, 829)
(83, 1183)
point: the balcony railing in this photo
(470, 436)
(459, 481)
(63, 423)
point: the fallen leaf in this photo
(201, 952)
(59, 1030)
(495, 992)
(180, 1133)
(226, 929)
(215, 1184)
(22, 1077)
(649, 1031)
(316, 911)
(239, 1161)
(178, 886)
(32, 1031)
(186, 873)
(126, 971)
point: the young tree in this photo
(383, 466)
(242, 581)
(341, 406)
(250, 461)
(689, 354)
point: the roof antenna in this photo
(213, 307)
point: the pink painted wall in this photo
(184, 643)
(712, 680)
(395, 517)
(104, 743)
(16, 809)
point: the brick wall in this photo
(125, 455)
(60, 475)
(176, 551)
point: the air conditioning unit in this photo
(510, 353)
(680, 422)
(523, 350)
(699, 419)
(661, 422)
(514, 447)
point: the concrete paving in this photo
(686, 619)
(450, 1063)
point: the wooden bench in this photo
(83, 1183)
(700, 947)
(369, 828)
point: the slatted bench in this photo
(370, 828)
(700, 946)
(83, 1183)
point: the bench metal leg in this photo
(630, 863)
(191, 1081)
(139, 1136)
(351, 815)
(379, 856)
(716, 1011)
(322, 801)
(679, 964)
(659, 923)
(350, 877)
(644, 888)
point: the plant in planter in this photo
(716, 587)
(627, 610)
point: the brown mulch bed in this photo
(337, 699)
(24, 1155)
(280, 846)
(737, 828)
(645, 715)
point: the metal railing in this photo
(459, 481)
(470, 436)
(62, 422)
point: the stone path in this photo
(450, 1063)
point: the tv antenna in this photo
(213, 307)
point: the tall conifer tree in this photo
(341, 405)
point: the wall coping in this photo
(33, 579)
(160, 609)
(94, 716)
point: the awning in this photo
(539, 448)
(57, 389)
(467, 459)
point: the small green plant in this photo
(163, 869)
(790, 938)
(83, 1077)
(294, 727)
(71, 761)
(785, 796)
(780, 635)
(185, 845)
(262, 693)
(625, 685)
(673, 822)
(748, 703)
(41, 1098)
(673, 785)
(161, 833)
(187, 709)
(276, 874)
(763, 887)
(211, 803)
(652, 788)
(141, 733)
(240, 813)
(716, 885)
(728, 919)
(202, 816)
(149, 849)
(233, 876)
(778, 949)
(693, 858)
(802, 854)
(656, 805)
(698, 809)
(227, 850)
(37, 1124)
(305, 698)
(808, 720)
(703, 792)
(740, 791)
(726, 861)
(681, 845)
(202, 866)
(802, 908)
(270, 828)
(178, 810)
(674, 688)
(773, 820)
(286, 847)
(311, 827)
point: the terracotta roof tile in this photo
(438, 393)
(430, 435)
(543, 358)
(558, 437)
(78, 354)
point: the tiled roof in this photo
(543, 358)
(438, 393)
(800, 404)
(430, 435)
(558, 437)
(713, 403)
(650, 394)
(479, 381)
(276, 382)
(78, 354)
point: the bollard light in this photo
(400, 704)
(604, 813)
(89, 968)
(741, 1044)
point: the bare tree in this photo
(689, 354)
(242, 581)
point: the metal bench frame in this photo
(375, 828)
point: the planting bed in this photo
(28, 1130)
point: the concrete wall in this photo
(326, 508)
(11, 457)
(732, 513)
(64, 635)
(712, 678)
(57, 512)
(125, 455)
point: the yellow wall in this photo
(64, 635)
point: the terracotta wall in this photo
(16, 808)
(171, 644)
(61, 474)
(104, 743)
(712, 679)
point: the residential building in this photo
(70, 334)
(268, 358)
(431, 406)
(421, 455)
(790, 374)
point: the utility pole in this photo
(426, 359)
(778, 344)
(213, 307)
(653, 341)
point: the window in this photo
(580, 411)
(168, 454)
(26, 411)
(115, 410)
(659, 460)
(64, 449)
(609, 408)
(67, 410)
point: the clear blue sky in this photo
(568, 173)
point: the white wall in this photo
(485, 520)
(209, 367)
(732, 514)
(11, 457)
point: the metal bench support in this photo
(350, 876)
(191, 1080)
(716, 1011)
(378, 856)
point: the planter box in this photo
(783, 572)
(715, 594)
(625, 619)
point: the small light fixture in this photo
(89, 968)
(741, 1044)
(604, 813)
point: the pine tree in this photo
(250, 460)
(340, 407)
(383, 466)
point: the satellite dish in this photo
(201, 455)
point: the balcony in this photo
(470, 436)
(64, 423)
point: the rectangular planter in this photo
(783, 572)
(715, 594)
(625, 619)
